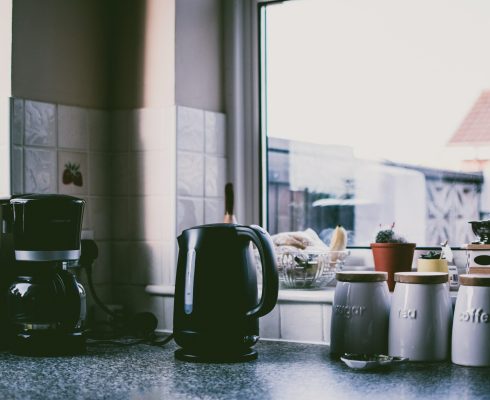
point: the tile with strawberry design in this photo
(72, 173)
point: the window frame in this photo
(247, 144)
(260, 143)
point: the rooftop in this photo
(475, 128)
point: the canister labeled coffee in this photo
(420, 316)
(360, 313)
(471, 327)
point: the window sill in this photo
(324, 296)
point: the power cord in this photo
(142, 325)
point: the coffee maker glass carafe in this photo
(216, 306)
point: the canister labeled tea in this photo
(360, 313)
(471, 327)
(420, 317)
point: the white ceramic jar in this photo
(420, 317)
(471, 327)
(360, 313)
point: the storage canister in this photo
(360, 313)
(471, 327)
(420, 316)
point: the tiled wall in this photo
(201, 177)
(168, 174)
(201, 167)
(146, 175)
(46, 137)
(143, 204)
(298, 321)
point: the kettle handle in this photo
(270, 279)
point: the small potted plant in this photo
(392, 254)
(433, 261)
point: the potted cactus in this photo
(392, 254)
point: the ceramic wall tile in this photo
(72, 128)
(169, 206)
(86, 222)
(146, 175)
(99, 174)
(169, 252)
(190, 212)
(17, 170)
(146, 217)
(5, 179)
(120, 262)
(17, 128)
(40, 124)
(40, 170)
(120, 218)
(98, 130)
(214, 210)
(104, 291)
(102, 265)
(121, 126)
(100, 208)
(215, 176)
(327, 319)
(146, 263)
(148, 129)
(190, 174)
(135, 299)
(302, 322)
(119, 174)
(166, 319)
(190, 129)
(215, 133)
(270, 324)
(73, 178)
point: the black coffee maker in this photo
(216, 305)
(7, 267)
(46, 306)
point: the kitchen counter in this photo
(283, 371)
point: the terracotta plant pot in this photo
(391, 258)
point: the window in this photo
(376, 112)
(5, 82)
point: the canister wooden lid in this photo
(474, 280)
(421, 277)
(361, 276)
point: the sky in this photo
(391, 78)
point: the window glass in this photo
(377, 112)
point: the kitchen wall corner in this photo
(64, 149)
(201, 167)
(143, 165)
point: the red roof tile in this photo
(475, 129)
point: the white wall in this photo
(5, 63)
(60, 51)
(199, 54)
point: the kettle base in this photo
(217, 357)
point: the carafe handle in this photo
(270, 280)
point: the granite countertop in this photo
(283, 371)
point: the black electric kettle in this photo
(216, 307)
